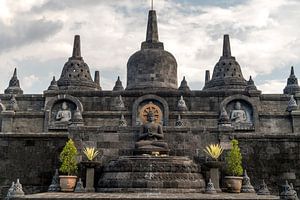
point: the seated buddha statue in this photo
(64, 115)
(151, 136)
(238, 115)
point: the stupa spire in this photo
(76, 73)
(292, 71)
(226, 46)
(227, 74)
(152, 40)
(14, 85)
(76, 47)
(292, 86)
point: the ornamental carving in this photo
(150, 107)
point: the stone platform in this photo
(147, 196)
(163, 174)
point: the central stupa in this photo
(152, 67)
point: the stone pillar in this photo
(214, 175)
(90, 174)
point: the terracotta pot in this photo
(67, 183)
(233, 183)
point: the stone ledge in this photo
(148, 196)
(33, 135)
(287, 136)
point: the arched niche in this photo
(242, 111)
(54, 107)
(142, 102)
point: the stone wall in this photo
(272, 158)
(32, 158)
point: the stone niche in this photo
(240, 113)
(148, 103)
(61, 114)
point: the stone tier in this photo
(151, 174)
(148, 196)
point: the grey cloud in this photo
(24, 32)
(56, 5)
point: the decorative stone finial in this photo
(76, 73)
(17, 190)
(250, 84)
(122, 121)
(263, 189)
(226, 47)
(13, 104)
(184, 86)
(79, 187)
(14, 85)
(246, 185)
(55, 187)
(224, 118)
(53, 84)
(179, 122)
(292, 104)
(181, 105)
(227, 74)
(77, 119)
(152, 40)
(10, 191)
(207, 76)
(292, 86)
(210, 188)
(288, 192)
(118, 103)
(118, 85)
(76, 47)
(97, 80)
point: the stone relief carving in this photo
(150, 107)
(238, 115)
(64, 115)
(181, 105)
(241, 115)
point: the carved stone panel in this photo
(147, 106)
(61, 114)
(241, 115)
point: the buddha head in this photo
(64, 106)
(150, 117)
(238, 106)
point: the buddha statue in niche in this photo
(64, 115)
(238, 115)
(151, 136)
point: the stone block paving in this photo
(148, 196)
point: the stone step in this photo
(145, 196)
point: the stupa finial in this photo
(76, 47)
(226, 46)
(151, 4)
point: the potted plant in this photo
(68, 166)
(91, 153)
(214, 151)
(234, 168)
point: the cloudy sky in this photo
(36, 36)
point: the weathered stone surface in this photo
(149, 196)
(269, 140)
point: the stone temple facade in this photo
(34, 127)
